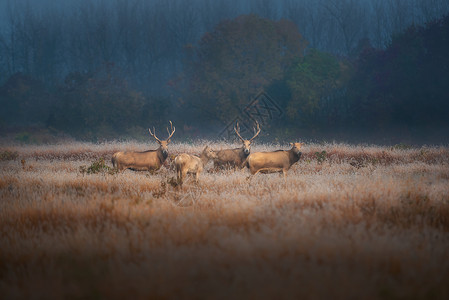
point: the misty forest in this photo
(346, 70)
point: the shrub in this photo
(98, 166)
(401, 146)
(8, 155)
(321, 156)
(24, 137)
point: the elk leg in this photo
(183, 175)
(284, 171)
(178, 175)
(196, 176)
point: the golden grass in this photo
(363, 222)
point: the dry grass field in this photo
(358, 222)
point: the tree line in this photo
(401, 89)
(101, 69)
(146, 39)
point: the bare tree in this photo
(380, 31)
(348, 16)
(265, 8)
(399, 12)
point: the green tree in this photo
(314, 77)
(406, 84)
(99, 105)
(235, 61)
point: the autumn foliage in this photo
(238, 59)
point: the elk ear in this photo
(291, 144)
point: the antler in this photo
(237, 129)
(258, 131)
(173, 129)
(153, 134)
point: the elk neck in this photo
(204, 159)
(162, 155)
(293, 156)
(243, 155)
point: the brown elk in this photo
(150, 160)
(277, 161)
(235, 157)
(186, 163)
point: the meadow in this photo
(348, 221)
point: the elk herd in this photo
(238, 158)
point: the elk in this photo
(277, 161)
(150, 160)
(186, 163)
(235, 157)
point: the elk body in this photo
(186, 163)
(233, 158)
(150, 160)
(277, 161)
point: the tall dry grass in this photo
(353, 222)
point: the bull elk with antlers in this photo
(146, 160)
(277, 161)
(186, 163)
(235, 157)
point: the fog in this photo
(153, 49)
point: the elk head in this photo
(247, 143)
(296, 147)
(209, 153)
(163, 144)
